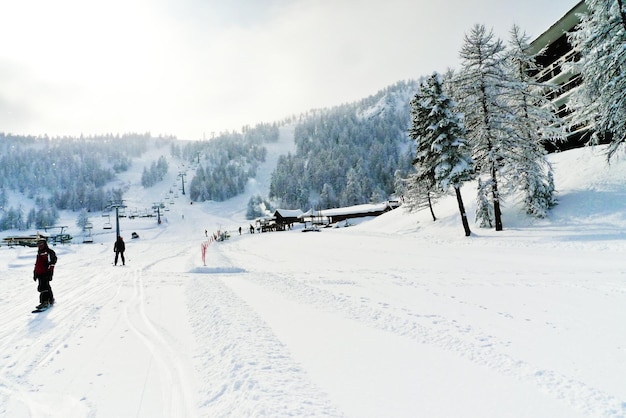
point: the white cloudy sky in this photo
(193, 67)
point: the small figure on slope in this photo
(119, 247)
(44, 269)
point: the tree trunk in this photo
(430, 206)
(459, 200)
(497, 213)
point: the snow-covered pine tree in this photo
(538, 194)
(534, 123)
(146, 178)
(484, 210)
(257, 207)
(601, 98)
(481, 84)
(82, 220)
(443, 155)
(12, 218)
(353, 193)
(328, 197)
(420, 185)
(4, 199)
(419, 193)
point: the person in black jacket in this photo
(44, 268)
(119, 249)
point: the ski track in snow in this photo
(120, 335)
(32, 349)
(174, 382)
(102, 308)
(435, 330)
(241, 381)
(35, 345)
(247, 371)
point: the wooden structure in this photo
(24, 240)
(284, 218)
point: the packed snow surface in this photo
(398, 316)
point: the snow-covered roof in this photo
(365, 208)
(289, 213)
(348, 210)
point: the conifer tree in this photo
(443, 156)
(419, 194)
(3, 198)
(421, 186)
(534, 123)
(353, 193)
(601, 99)
(328, 197)
(83, 218)
(481, 85)
(484, 210)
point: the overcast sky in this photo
(196, 67)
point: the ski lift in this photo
(87, 238)
(107, 224)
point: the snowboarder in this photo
(44, 268)
(119, 247)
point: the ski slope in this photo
(395, 317)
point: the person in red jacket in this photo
(44, 269)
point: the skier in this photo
(119, 247)
(44, 268)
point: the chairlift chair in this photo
(87, 238)
(107, 224)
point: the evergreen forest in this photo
(349, 154)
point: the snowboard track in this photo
(435, 330)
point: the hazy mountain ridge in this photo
(68, 173)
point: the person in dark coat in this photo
(44, 269)
(119, 249)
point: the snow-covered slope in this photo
(398, 316)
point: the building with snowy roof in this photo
(557, 52)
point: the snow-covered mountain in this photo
(368, 136)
